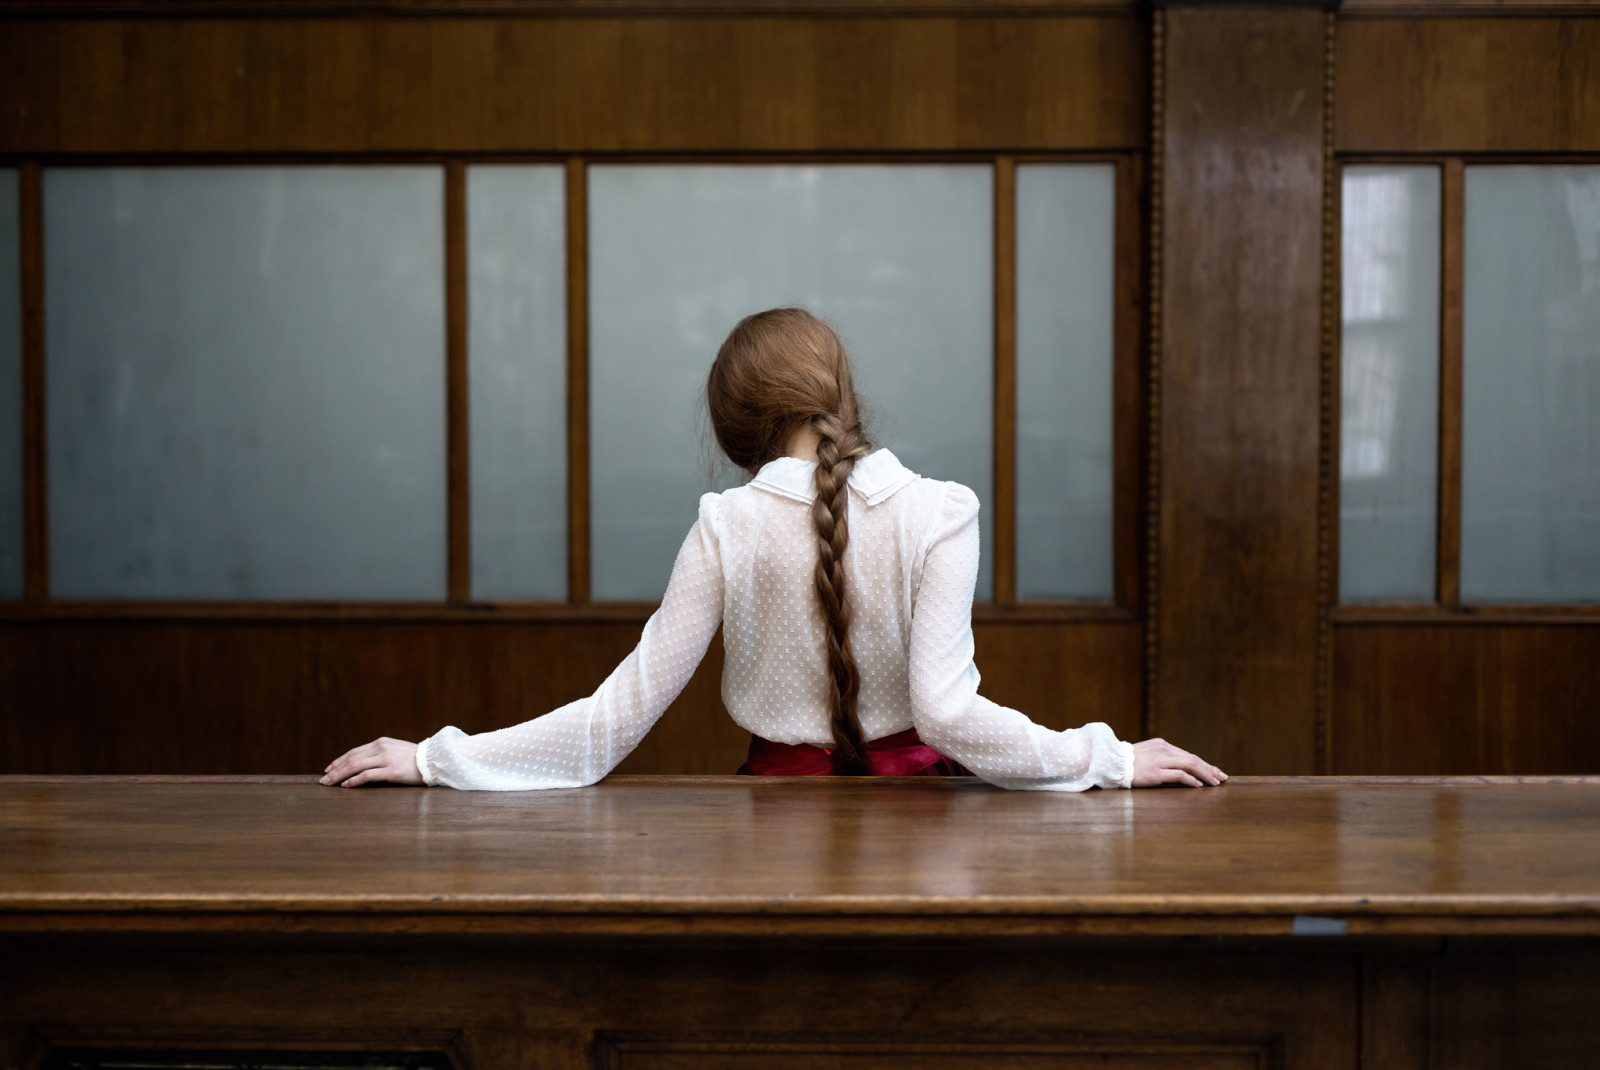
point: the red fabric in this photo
(902, 754)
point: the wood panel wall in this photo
(1237, 118)
(1450, 688)
(1240, 240)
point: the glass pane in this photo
(1389, 356)
(11, 574)
(1066, 261)
(1530, 451)
(898, 258)
(246, 369)
(516, 252)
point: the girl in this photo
(855, 662)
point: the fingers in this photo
(1179, 776)
(1198, 768)
(1160, 763)
(354, 761)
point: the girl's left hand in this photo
(393, 760)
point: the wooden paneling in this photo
(231, 696)
(1005, 380)
(1452, 275)
(273, 697)
(35, 475)
(458, 434)
(1240, 368)
(1064, 674)
(570, 85)
(1469, 85)
(1466, 698)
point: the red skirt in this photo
(902, 754)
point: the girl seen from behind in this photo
(843, 584)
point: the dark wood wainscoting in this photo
(1461, 698)
(288, 696)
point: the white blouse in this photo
(748, 565)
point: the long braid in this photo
(837, 450)
(778, 372)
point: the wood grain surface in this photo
(1426, 855)
(1240, 366)
(570, 85)
(1469, 84)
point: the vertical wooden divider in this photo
(1452, 226)
(1005, 380)
(1150, 709)
(1127, 417)
(1244, 144)
(457, 405)
(35, 469)
(1328, 413)
(577, 381)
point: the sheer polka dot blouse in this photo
(748, 565)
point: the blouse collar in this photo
(875, 477)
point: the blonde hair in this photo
(777, 372)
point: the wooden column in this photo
(1241, 118)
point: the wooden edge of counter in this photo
(1331, 927)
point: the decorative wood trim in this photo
(478, 612)
(1005, 380)
(1484, 615)
(1328, 412)
(1454, 9)
(1451, 227)
(522, 9)
(296, 612)
(1152, 457)
(577, 381)
(458, 433)
(1127, 372)
(35, 441)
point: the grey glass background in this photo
(11, 564)
(517, 327)
(898, 258)
(1389, 360)
(246, 369)
(1530, 454)
(1066, 263)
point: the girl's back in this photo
(843, 585)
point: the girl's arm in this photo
(584, 740)
(1000, 744)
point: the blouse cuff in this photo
(422, 763)
(1127, 763)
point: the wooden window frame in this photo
(1447, 606)
(1129, 329)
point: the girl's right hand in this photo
(1157, 762)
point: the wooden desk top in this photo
(758, 856)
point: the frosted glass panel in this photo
(1389, 356)
(1066, 260)
(1530, 454)
(246, 369)
(516, 250)
(898, 258)
(11, 575)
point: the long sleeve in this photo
(582, 741)
(999, 744)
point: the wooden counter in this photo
(656, 922)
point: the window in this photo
(245, 398)
(1470, 431)
(251, 369)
